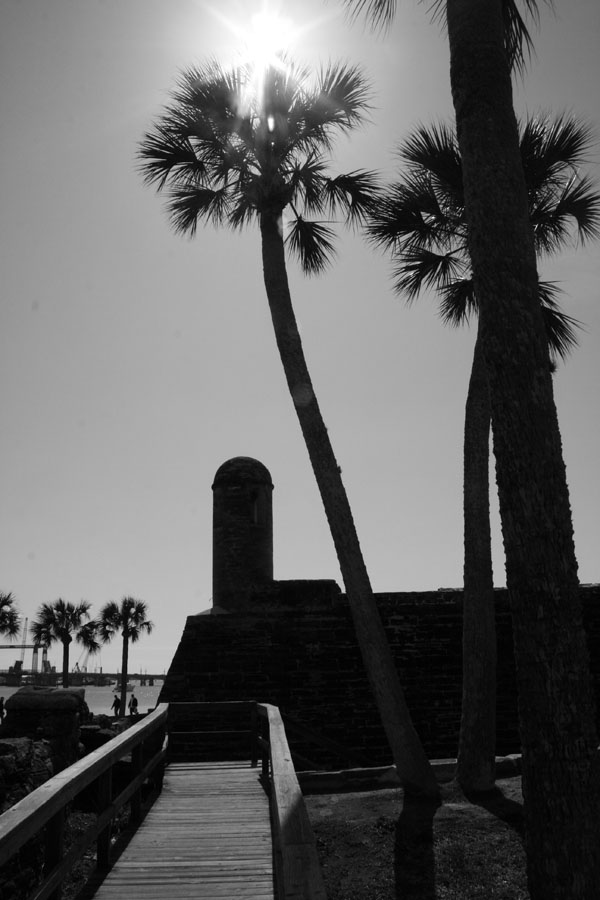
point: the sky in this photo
(133, 361)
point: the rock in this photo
(51, 715)
(31, 697)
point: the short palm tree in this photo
(421, 220)
(231, 153)
(61, 622)
(129, 618)
(9, 617)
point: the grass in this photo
(378, 845)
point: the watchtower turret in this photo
(242, 531)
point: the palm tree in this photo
(487, 39)
(64, 622)
(9, 617)
(231, 155)
(129, 618)
(421, 220)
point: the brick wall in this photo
(294, 646)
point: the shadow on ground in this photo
(414, 860)
(501, 807)
(380, 845)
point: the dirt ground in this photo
(377, 845)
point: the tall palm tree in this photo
(129, 618)
(487, 39)
(61, 622)
(231, 155)
(421, 220)
(9, 617)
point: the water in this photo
(99, 699)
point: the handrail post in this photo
(137, 761)
(160, 772)
(266, 752)
(253, 735)
(54, 847)
(104, 800)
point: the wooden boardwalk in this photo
(207, 837)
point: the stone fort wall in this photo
(293, 645)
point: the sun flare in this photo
(262, 39)
(266, 39)
(269, 37)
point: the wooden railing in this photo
(260, 729)
(297, 869)
(230, 725)
(298, 875)
(45, 807)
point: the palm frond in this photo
(9, 617)
(517, 37)
(355, 193)
(141, 628)
(214, 95)
(420, 269)
(87, 635)
(109, 621)
(581, 204)
(339, 102)
(284, 91)
(552, 148)
(307, 180)
(561, 329)
(435, 150)
(134, 619)
(188, 206)
(344, 94)
(242, 211)
(312, 244)
(410, 215)
(555, 213)
(458, 302)
(380, 12)
(163, 154)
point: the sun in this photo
(264, 41)
(270, 36)
(264, 35)
(264, 38)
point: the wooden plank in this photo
(207, 837)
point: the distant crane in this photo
(24, 641)
(25, 646)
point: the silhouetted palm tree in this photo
(9, 617)
(231, 155)
(129, 618)
(61, 622)
(557, 716)
(421, 221)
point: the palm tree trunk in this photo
(65, 664)
(556, 706)
(124, 664)
(477, 740)
(409, 757)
